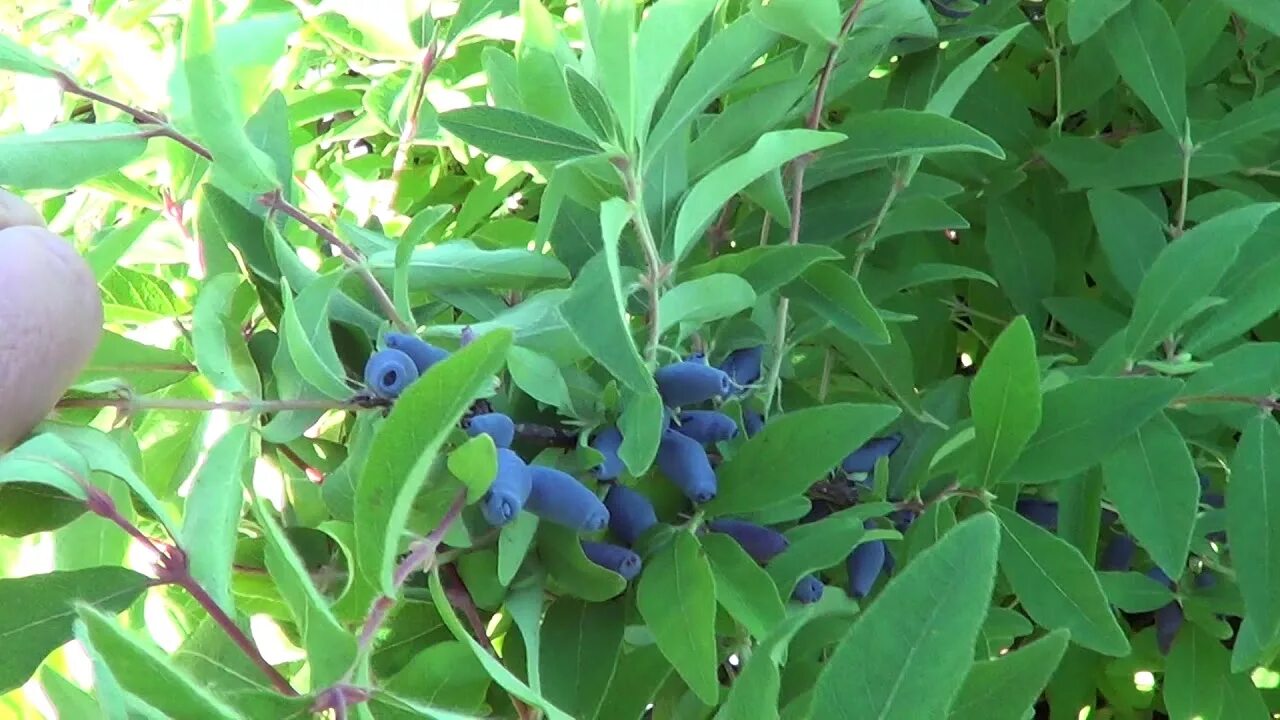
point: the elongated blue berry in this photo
(630, 513)
(1214, 500)
(1118, 555)
(1168, 622)
(496, 425)
(389, 372)
(612, 557)
(761, 543)
(607, 442)
(510, 489)
(690, 383)
(1159, 576)
(1041, 512)
(687, 466)
(865, 564)
(424, 354)
(559, 498)
(707, 426)
(743, 366)
(1206, 579)
(808, 590)
(863, 460)
(753, 422)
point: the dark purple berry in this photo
(607, 442)
(612, 557)
(902, 519)
(389, 372)
(1168, 622)
(424, 354)
(707, 426)
(1118, 555)
(863, 460)
(1214, 500)
(753, 422)
(630, 513)
(686, 465)
(864, 565)
(559, 498)
(744, 366)
(943, 8)
(690, 383)
(1159, 576)
(1041, 512)
(1206, 579)
(496, 425)
(808, 590)
(761, 543)
(510, 489)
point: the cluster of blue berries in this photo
(391, 370)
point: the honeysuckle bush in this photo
(698, 358)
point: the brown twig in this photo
(460, 597)
(69, 85)
(430, 58)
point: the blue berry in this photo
(690, 383)
(863, 460)
(424, 354)
(1206, 579)
(1118, 555)
(630, 513)
(902, 519)
(864, 565)
(1168, 622)
(808, 590)
(761, 543)
(753, 422)
(510, 489)
(389, 372)
(1159, 576)
(743, 366)
(686, 464)
(707, 426)
(559, 498)
(607, 442)
(612, 557)
(1214, 500)
(496, 425)
(1041, 512)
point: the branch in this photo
(410, 130)
(654, 273)
(135, 404)
(276, 202)
(460, 597)
(69, 85)
(1263, 401)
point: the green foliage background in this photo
(1038, 241)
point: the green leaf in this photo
(513, 545)
(145, 671)
(330, 648)
(684, 630)
(221, 352)
(1086, 17)
(666, 31)
(305, 324)
(769, 267)
(406, 446)
(1131, 236)
(610, 29)
(215, 107)
(499, 672)
(1005, 402)
(641, 428)
(1250, 291)
(561, 550)
(1134, 592)
(524, 604)
(715, 67)
(1249, 369)
(1251, 523)
(1198, 681)
(798, 448)
(445, 674)
(1186, 271)
(515, 135)
(103, 454)
(1085, 419)
(581, 642)
(17, 58)
(880, 135)
(598, 321)
(711, 192)
(814, 547)
(475, 463)
(1007, 687)
(474, 12)
(68, 154)
(708, 298)
(591, 105)
(40, 611)
(743, 588)
(48, 460)
(920, 632)
(1022, 259)
(813, 22)
(538, 376)
(460, 264)
(927, 273)
(1056, 586)
(837, 297)
(1145, 47)
(212, 515)
(1151, 480)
